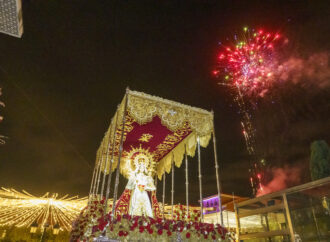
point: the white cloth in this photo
(140, 202)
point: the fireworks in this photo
(21, 209)
(249, 65)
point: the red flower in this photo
(188, 235)
(121, 233)
(169, 233)
(150, 231)
(160, 231)
(141, 229)
(118, 217)
(213, 237)
(205, 236)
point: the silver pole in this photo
(217, 174)
(115, 193)
(100, 171)
(200, 178)
(92, 183)
(96, 176)
(111, 162)
(187, 182)
(105, 168)
(172, 192)
(164, 177)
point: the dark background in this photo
(63, 80)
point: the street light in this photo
(56, 229)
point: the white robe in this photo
(140, 203)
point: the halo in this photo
(141, 156)
(133, 159)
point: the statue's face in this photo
(142, 166)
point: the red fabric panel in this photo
(158, 131)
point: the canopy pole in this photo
(111, 162)
(200, 178)
(217, 173)
(164, 177)
(96, 176)
(92, 183)
(115, 192)
(172, 192)
(187, 182)
(99, 176)
(105, 167)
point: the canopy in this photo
(165, 128)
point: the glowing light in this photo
(22, 209)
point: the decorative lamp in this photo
(56, 229)
(34, 228)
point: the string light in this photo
(21, 209)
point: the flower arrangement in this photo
(92, 223)
(180, 213)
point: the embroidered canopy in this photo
(165, 128)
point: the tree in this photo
(320, 160)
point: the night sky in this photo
(64, 79)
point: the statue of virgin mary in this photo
(139, 196)
(139, 183)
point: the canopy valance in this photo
(165, 128)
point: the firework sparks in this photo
(21, 209)
(249, 64)
(250, 67)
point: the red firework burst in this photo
(251, 63)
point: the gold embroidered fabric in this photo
(142, 108)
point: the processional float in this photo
(147, 137)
